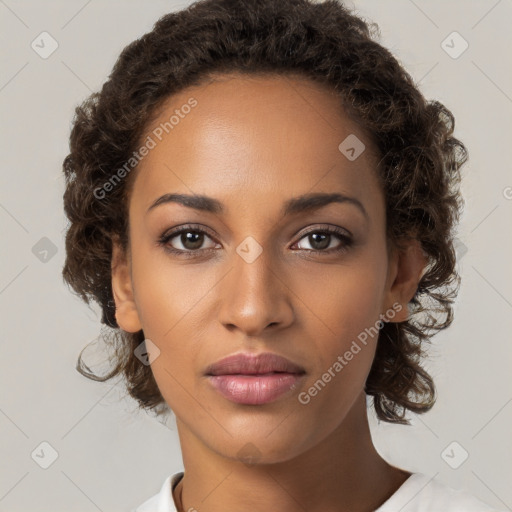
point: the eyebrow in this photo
(300, 204)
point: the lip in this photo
(254, 379)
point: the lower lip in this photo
(254, 389)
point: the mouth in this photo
(250, 364)
(254, 380)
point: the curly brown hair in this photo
(418, 168)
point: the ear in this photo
(127, 316)
(406, 267)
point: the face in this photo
(260, 266)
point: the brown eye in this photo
(319, 241)
(186, 240)
(324, 240)
(191, 240)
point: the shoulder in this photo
(163, 500)
(422, 493)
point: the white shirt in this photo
(419, 493)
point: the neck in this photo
(344, 472)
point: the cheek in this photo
(170, 298)
(344, 332)
(342, 319)
(342, 300)
(168, 292)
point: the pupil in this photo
(324, 243)
(195, 239)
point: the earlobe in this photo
(127, 316)
(407, 268)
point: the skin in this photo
(253, 143)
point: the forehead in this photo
(253, 138)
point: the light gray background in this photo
(111, 457)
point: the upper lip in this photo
(251, 364)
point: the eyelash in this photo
(164, 240)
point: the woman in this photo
(263, 204)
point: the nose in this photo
(255, 296)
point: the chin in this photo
(258, 447)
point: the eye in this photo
(322, 240)
(186, 239)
